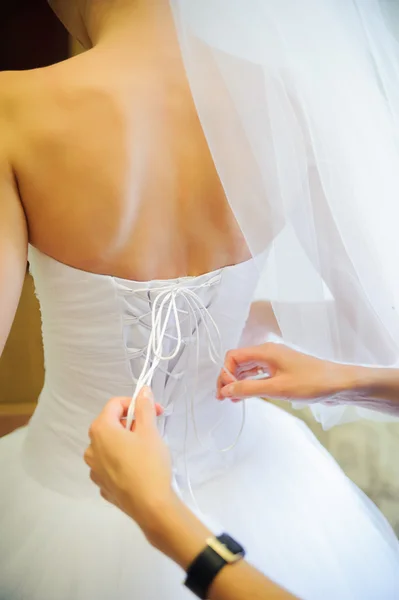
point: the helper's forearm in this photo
(384, 384)
(375, 388)
(241, 581)
(176, 532)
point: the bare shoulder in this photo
(8, 82)
(18, 92)
(53, 98)
(14, 90)
(37, 106)
(23, 103)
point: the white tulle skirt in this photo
(304, 524)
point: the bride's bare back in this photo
(113, 170)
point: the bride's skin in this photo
(103, 162)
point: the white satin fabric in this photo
(303, 522)
(299, 101)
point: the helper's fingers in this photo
(255, 372)
(145, 411)
(95, 479)
(159, 410)
(224, 379)
(107, 496)
(243, 372)
(126, 402)
(114, 410)
(249, 388)
(254, 355)
(89, 456)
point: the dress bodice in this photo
(100, 332)
(277, 490)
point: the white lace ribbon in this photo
(164, 306)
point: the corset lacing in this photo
(164, 308)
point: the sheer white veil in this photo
(299, 102)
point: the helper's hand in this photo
(292, 375)
(132, 468)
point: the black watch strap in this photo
(218, 553)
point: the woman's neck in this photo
(135, 25)
(145, 32)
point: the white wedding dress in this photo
(277, 490)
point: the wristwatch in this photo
(219, 552)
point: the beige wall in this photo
(21, 365)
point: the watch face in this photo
(231, 544)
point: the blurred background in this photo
(31, 37)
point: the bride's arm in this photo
(13, 248)
(260, 324)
